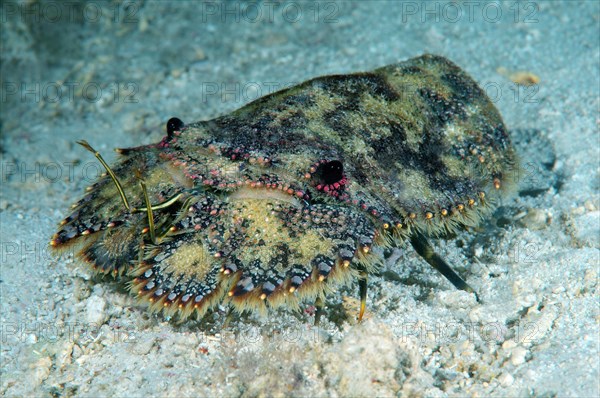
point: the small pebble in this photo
(144, 346)
(506, 379)
(518, 356)
(525, 78)
(77, 352)
(589, 205)
(143, 25)
(96, 310)
(535, 219)
(64, 354)
(199, 54)
(40, 371)
(509, 344)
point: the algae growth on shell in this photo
(284, 199)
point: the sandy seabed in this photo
(114, 73)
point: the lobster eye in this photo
(332, 172)
(174, 124)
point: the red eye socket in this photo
(332, 172)
(329, 177)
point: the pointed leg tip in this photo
(469, 289)
(319, 305)
(362, 284)
(361, 314)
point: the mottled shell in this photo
(285, 197)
